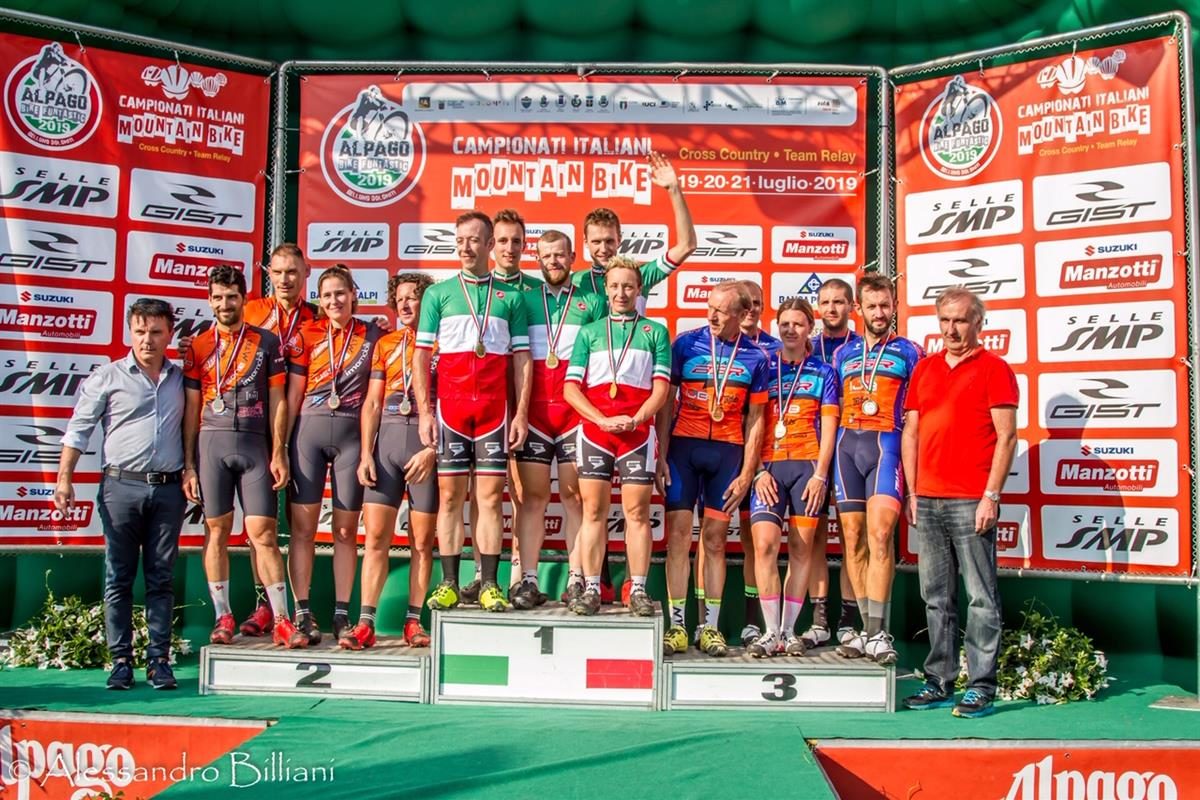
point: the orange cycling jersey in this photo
(266, 312)
(799, 395)
(250, 363)
(874, 382)
(309, 354)
(393, 364)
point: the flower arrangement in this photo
(69, 634)
(1046, 662)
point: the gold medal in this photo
(405, 407)
(612, 391)
(334, 401)
(780, 430)
(551, 361)
(869, 407)
(718, 414)
(218, 406)
(480, 350)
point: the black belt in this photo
(152, 478)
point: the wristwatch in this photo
(993, 496)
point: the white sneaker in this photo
(845, 633)
(853, 647)
(879, 649)
(765, 646)
(793, 645)
(814, 637)
(749, 634)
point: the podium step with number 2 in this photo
(548, 656)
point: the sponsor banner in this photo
(1139, 536)
(1029, 769)
(74, 755)
(1018, 473)
(334, 242)
(1110, 468)
(780, 199)
(121, 176)
(45, 250)
(370, 283)
(1133, 262)
(1108, 399)
(1044, 186)
(45, 314)
(182, 262)
(1014, 540)
(1107, 332)
(993, 273)
(28, 515)
(803, 284)
(1003, 334)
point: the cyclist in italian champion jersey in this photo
(602, 235)
(282, 312)
(791, 487)
(835, 301)
(475, 325)
(394, 462)
(329, 368)
(711, 451)
(557, 312)
(234, 426)
(618, 380)
(874, 373)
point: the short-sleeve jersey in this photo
(309, 355)
(824, 347)
(897, 358)
(695, 371)
(392, 360)
(815, 394)
(451, 322)
(245, 382)
(648, 359)
(569, 310)
(265, 312)
(591, 281)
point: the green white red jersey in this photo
(591, 281)
(467, 315)
(628, 352)
(556, 316)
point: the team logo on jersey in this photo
(960, 131)
(52, 100)
(371, 153)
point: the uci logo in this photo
(371, 153)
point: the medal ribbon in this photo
(869, 388)
(480, 325)
(782, 408)
(237, 348)
(405, 366)
(335, 368)
(554, 333)
(616, 365)
(293, 321)
(718, 381)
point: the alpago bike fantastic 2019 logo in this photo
(371, 153)
(960, 131)
(52, 100)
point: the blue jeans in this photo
(141, 522)
(947, 547)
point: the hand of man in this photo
(366, 472)
(734, 494)
(64, 494)
(518, 432)
(986, 514)
(191, 485)
(280, 472)
(419, 467)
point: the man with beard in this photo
(874, 372)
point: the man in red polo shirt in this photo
(959, 437)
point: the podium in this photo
(820, 680)
(391, 670)
(548, 656)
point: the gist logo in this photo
(40, 313)
(1115, 196)
(175, 198)
(1144, 467)
(813, 245)
(993, 273)
(55, 249)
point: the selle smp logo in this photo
(52, 100)
(371, 153)
(960, 131)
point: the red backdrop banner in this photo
(1054, 189)
(121, 176)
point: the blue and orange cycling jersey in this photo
(801, 393)
(739, 367)
(824, 348)
(888, 365)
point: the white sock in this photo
(791, 613)
(219, 592)
(637, 582)
(712, 611)
(575, 578)
(770, 611)
(530, 575)
(591, 582)
(277, 595)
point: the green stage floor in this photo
(386, 750)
